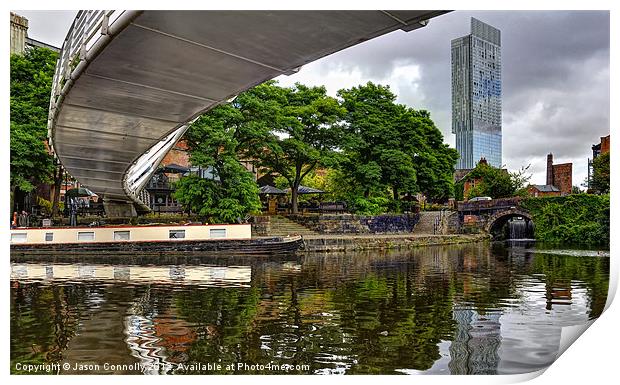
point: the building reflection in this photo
(477, 338)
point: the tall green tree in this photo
(434, 160)
(31, 80)
(387, 145)
(289, 131)
(601, 177)
(230, 193)
(303, 132)
(368, 131)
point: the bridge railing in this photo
(493, 204)
(87, 28)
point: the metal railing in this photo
(440, 222)
(87, 28)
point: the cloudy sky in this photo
(555, 77)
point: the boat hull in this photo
(256, 246)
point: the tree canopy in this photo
(31, 81)
(601, 177)
(231, 192)
(494, 182)
(289, 131)
(303, 133)
(389, 145)
(374, 150)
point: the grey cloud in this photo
(556, 59)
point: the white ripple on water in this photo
(340, 363)
(574, 253)
(142, 343)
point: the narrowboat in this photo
(195, 238)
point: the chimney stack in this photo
(550, 169)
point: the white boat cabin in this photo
(60, 235)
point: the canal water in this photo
(462, 309)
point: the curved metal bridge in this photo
(129, 83)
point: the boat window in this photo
(177, 234)
(19, 237)
(121, 235)
(86, 236)
(217, 233)
(49, 237)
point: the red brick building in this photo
(545, 190)
(604, 145)
(560, 175)
(177, 155)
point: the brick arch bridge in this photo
(501, 216)
(487, 215)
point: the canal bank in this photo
(335, 233)
(333, 243)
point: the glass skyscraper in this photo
(477, 95)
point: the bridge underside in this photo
(164, 68)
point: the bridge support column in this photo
(115, 209)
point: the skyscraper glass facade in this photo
(477, 95)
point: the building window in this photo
(217, 233)
(19, 237)
(176, 234)
(86, 236)
(49, 237)
(121, 235)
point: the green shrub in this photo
(46, 206)
(434, 207)
(578, 218)
(369, 206)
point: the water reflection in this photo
(177, 274)
(469, 309)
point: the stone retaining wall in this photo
(357, 224)
(261, 225)
(331, 244)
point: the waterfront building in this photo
(597, 149)
(477, 95)
(560, 175)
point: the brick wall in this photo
(177, 155)
(563, 177)
(469, 184)
(605, 144)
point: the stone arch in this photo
(504, 215)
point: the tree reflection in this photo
(364, 312)
(43, 320)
